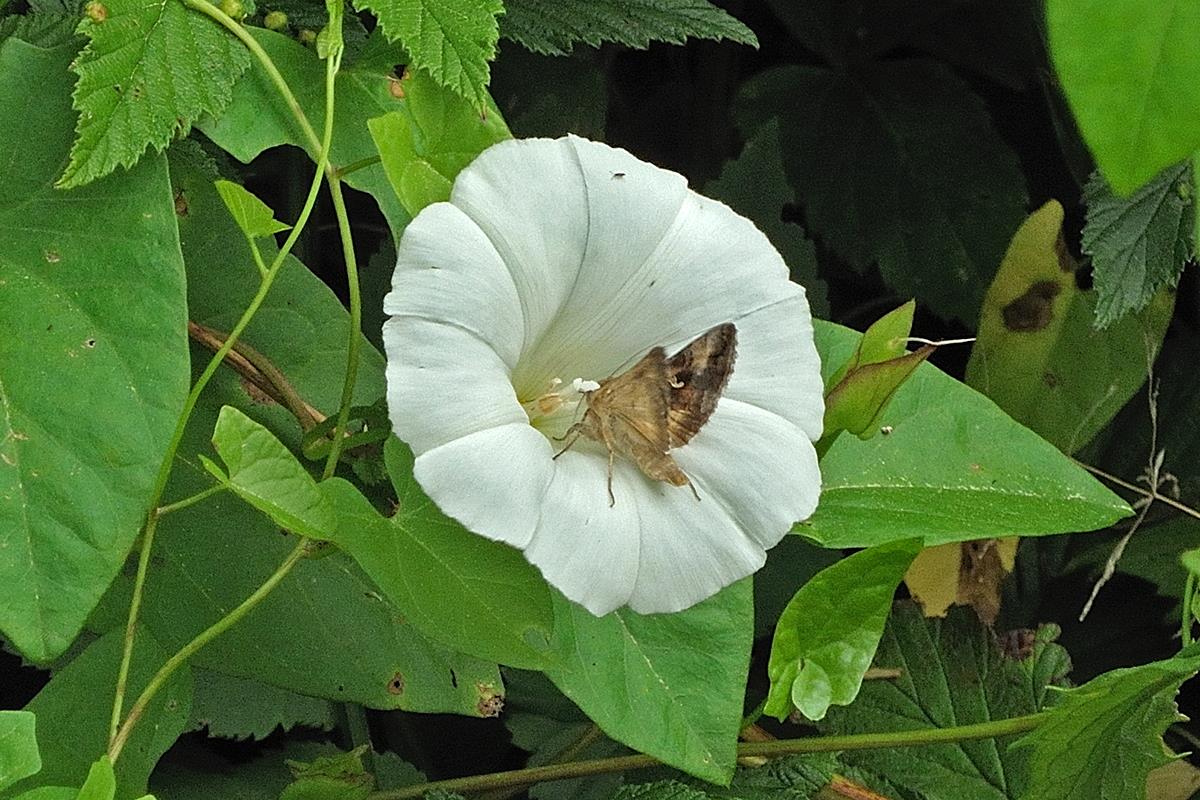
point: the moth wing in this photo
(696, 377)
(637, 399)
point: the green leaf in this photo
(1138, 244)
(73, 715)
(94, 297)
(336, 777)
(828, 633)
(951, 673)
(51, 793)
(452, 40)
(861, 389)
(554, 27)
(659, 790)
(753, 184)
(430, 139)
(1103, 738)
(18, 747)
(896, 163)
(140, 85)
(1039, 356)
(954, 468)
(473, 594)
(211, 556)
(101, 781)
(1128, 71)
(266, 475)
(252, 215)
(241, 708)
(257, 118)
(669, 685)
(544, 723)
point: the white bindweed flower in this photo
(555, 265)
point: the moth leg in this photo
(695, 494)
(612, 500)
(574, 433)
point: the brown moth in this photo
(658, 404)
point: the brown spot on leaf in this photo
(396, 684)
(52, 256)
(89, 342)
(491, 702)
(1033, 310)
(181, 204)
(1050, 379)
(1017, 644)
(96, 11)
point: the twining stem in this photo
(179, 505)
(234, 27)
(189, 405)
(187, 651)
(779, 747)
(354, 344)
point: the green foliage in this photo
(1103, 738)
(478, 596)
(435, 134)
(452, 40)
(753, 185)
(138, 87)
(252, 215)
(1139, 244)
(951, 673)
(266, 475)
(669, 685)
(102, 311)
(19, 756)
(953, 468)
(73, 713)
(240, 708)
(1039, 355)
(827, 634)
(896, 164)
(1127, 69)
(554, 28)
(257, 118)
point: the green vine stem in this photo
(238, 30)
(210, 369)
(774, 749)
(187, 651)
(354, 345)
(179, 505)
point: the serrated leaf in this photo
(1128, 70)
(18, 747)
(1139, 244)
(951, 673)
(1038, 354)
(473, 594)
(953, 468)
(240, 708)
(452, 40)
(896, 163)
(554, 27)
(339, 777)
(669, 685)
(149, 70)
(93, 296)
(434, 135)
(828, 633)
(1102, 739)
(257, 118)
(252, 215)
(266, 475)
(753, 184)
(73, 714)
(659, 790)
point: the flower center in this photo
(557, 407)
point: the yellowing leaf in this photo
(963, 573)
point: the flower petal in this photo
(690, 549)
(777, 366)
(447, 270)
(464, 478)
(443, 383)
(527, 197)
(584, 547)
(759, 467)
